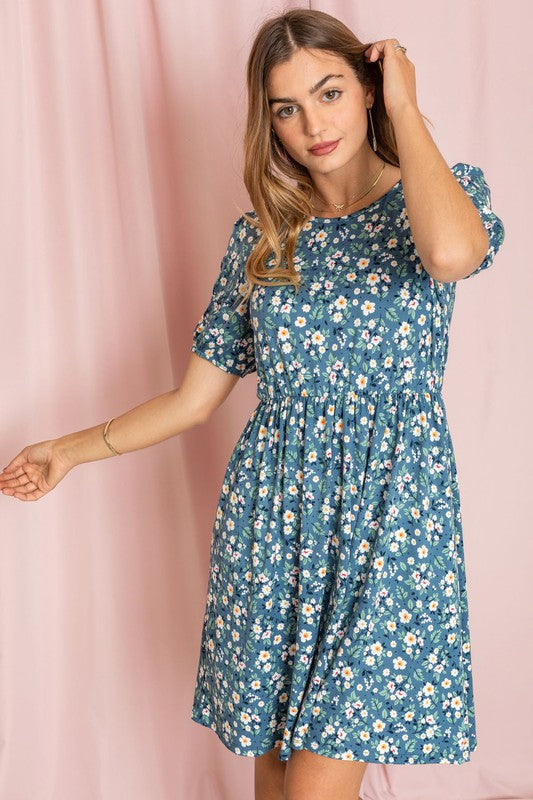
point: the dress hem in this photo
(254, 754)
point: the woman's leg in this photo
(269, 776)
(315, 777)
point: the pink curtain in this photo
(121, 160)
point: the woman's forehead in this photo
(304, 69)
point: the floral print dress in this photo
(336, 617)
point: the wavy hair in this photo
(279, 187)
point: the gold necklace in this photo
(340, 206)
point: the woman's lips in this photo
(324, 149)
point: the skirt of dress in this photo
(336, 617)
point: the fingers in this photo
(27, 476)
(377, 49)
(14, 472)
(14, 478)
(26, 491)
(374, 51)
(35, 495)
(18, 484)
(373, 54)
(16, 462)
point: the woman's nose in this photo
(313, 123)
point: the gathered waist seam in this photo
(353, 393)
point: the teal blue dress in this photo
(336, 618)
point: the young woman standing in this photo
(336, 625)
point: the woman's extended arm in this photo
(38, 468)
(204, 387)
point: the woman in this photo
(336, 627)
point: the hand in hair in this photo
(399, 86)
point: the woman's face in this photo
(336, 110)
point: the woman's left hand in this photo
(399, 86)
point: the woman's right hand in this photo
(35, 471)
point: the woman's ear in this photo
(370, 95)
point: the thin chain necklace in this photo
(340, 206)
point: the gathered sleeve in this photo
(472, 180)
(224, 335)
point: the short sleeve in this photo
(472, 180)
(224, 335)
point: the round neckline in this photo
(360, 210)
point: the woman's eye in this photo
(328, 91)
(280, 112)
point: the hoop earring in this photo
(374, 142)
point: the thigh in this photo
(317, 777)
(269, 776)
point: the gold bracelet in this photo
(108, 443)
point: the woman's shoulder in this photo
(244, 224)
(466, 171)
(245, 233)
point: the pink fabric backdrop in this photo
(121, 161)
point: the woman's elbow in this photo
(453, 265)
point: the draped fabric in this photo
(121, 164)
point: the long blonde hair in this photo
(279, 187)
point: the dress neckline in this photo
(363, 210)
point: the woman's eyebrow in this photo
(312, 90)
